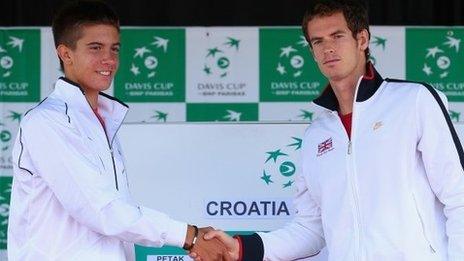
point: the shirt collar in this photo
(368, 85)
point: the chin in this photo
(103, 85)
(330, 70)
(329, 74)
(103, 88)
(334, 76)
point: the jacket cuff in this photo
(253, 247)
(177, 233)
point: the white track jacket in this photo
(393, 192)
(70, 197)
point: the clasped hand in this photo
(215, 245)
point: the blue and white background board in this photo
(235, 177)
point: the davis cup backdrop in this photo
(218, 74)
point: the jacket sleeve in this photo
(58, 156)
(443, 158)
(302, 237)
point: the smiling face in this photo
(337, 53)
(94, 60)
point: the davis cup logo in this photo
(435, 56)
(218, 58)
(279, 167)
(288, 73)
(20, 65)
(8, 52)
(152, 67)
(291, 61)
(438, 59)
(145, 59)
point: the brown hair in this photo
(355, 14)
(68, 21)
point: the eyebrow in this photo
(100, 44)
(339, 31)
(94, 43)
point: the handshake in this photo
(208, 244)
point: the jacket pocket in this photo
(423, 227)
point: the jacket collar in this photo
(368, 85)
(111, 109)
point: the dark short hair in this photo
(70, 18)
(355, 14)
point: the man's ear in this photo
(363, 39)
(65, 54)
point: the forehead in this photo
(321, 25)
(102, 33)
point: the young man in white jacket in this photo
(70, 197)
(382, 167)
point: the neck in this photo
(345, 89)
(345, 98)
(90, 95)
(92, 98)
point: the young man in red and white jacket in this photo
(382, 174)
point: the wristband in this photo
(190, 246)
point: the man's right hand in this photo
(231, 244)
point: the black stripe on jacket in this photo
(457, 142)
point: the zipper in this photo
(110, 146)
(352, 172)
(112, 160)
(354, 189)
(432, 249)
(354, 184)
(112, 139)
(351, 176)
(351, 167)
(114, 169)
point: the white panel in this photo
(387, 46)
(232, 69)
